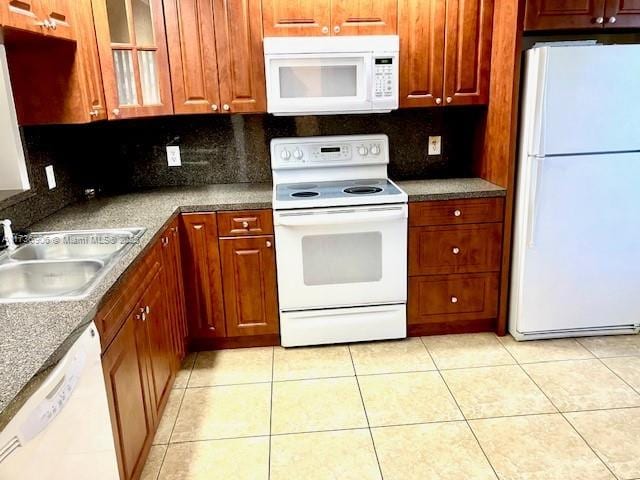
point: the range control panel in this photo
(318, 151)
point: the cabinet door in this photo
(622, 14)
(192, 55)
(250, 292)
(282, 18)
(202, 276)
(421, 29)
(58, 13)
(125, 372)
(364, 17)
(467, 61)
(240, 55)
(133, 56)
(23, 15)
(154, 314)
(563, 14)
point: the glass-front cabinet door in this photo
(133, 55)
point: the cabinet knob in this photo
(325, 30)
(245, 224)
(613, 20)
(455, 250)
(53, 24)
(336, 29)
(93, 113)
(449, 99)
(454, 299)
(457, 213)
(147, 310)
(226, 107)
(438, 101)
(214, 107)
(116, 112)
(268, 244)
(599, 20)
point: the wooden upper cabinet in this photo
(238, 25)
(58, 14)
(467, 62)
(249, 279)
(296, 17)
(192, 55)
(622, 14)
(421, 29)
(47, 17)
(133, 56)
(364, 17)
(564, 14)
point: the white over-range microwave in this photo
(331, 75)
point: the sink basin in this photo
(62, 265)
(28, 280)
(75, 245)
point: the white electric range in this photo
(341, 236)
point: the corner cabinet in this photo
(581, 14)
(329, 17)
(445, 52)
(133, 56)
(216, 55)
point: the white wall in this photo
(13, 171)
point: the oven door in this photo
(336, 257)
(316, 83)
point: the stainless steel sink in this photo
(62, 265)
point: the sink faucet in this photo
(8, 235)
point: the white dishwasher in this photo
(63, 431)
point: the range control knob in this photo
(375, 150)
(298, 154)
(362, 150)
(285, 154)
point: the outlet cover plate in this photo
(173, 156)
(435, 145)
(51, 177)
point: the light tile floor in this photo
(452, 407)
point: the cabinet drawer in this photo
(452, 212)
(242, 223)
(439, 298)
(455, 249)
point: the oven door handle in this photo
(341, 218)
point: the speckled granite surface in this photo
(33, 335)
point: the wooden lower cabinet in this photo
(249, 281)
(454, 265)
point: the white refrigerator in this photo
(576, 252)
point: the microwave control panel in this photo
(384, 73)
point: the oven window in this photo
(319, 81)
(344, 258)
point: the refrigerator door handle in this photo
(536, 179)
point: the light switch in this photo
(51, 177)
(173, 156)
(435, 147)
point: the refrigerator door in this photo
(582, 99)
(577, 243)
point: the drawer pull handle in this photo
(455, 250)
(454, 299)
(245, 224)
(457, 213)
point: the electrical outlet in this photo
(51, 177)
(173, 156)
(435, 147)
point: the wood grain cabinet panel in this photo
(468, 51)
(242, 223)
(296, 17)
(455, 212)
(250, 292)
(564, 14)
(25, 15)
(455, 249)
(61, 20)
(202, 277)
(622, 14)
(192, 55)
(125, 372)
(364, 17)
(421, 29)
(452, 298)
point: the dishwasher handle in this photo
(341, 217)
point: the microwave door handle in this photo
(366, 216)
(370, 79)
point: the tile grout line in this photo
(366, 415)
(461, 412)
(569, 422)
(619, 377)
(273, 355)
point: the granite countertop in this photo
(34, 333)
